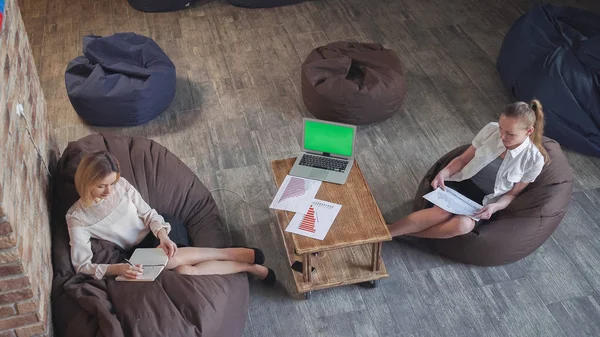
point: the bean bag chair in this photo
(517, 231)
(553, 54)
(160, 5)
(263, 3)
(173, 305)
(120, 80)
(355, 83)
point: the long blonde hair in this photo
(531, 115)
(93, 168)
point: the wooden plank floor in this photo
(238, 106)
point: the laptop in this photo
(327, 151)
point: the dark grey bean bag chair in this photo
(552, 53)
(263, 3)
(174, 305)
(160, 5)
(518, 230)
(120, 80)
(355, 83)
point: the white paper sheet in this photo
(295, 194)
(150, 274)
(149, 257)
(453, 202)
(317, 221)
(153, 261)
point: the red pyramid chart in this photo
(316, 221)
(308, 222)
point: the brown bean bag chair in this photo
(263, 3)
(355, 83)
(173, 305)
(518, 230)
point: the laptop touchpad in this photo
(318, 174)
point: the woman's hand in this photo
(128, 271)
(487, 211)
(168, 246)
(438, 181)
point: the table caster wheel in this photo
(374, 283)
(307, 295)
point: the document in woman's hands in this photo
(153, 261)
(452, 201)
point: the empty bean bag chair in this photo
(263, 3)
(355, 83)
(553, 54)
(173, 305)
(120, 80)
(160, 5)
(515, 232)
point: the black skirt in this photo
(178, 234)
(468, 189)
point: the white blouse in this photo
(123, 218)
(521, 164)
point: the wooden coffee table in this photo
(351, 251)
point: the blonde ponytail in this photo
(538, 128)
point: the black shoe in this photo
(259, 256)
(270, 279)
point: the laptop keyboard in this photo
(326, 163)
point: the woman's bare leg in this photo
(194, 255)
(457, 225)
(419, 221)
(223, 268)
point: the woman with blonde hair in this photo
(502, 160)
(110, 208)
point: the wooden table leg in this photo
(306, 267)
(376, 256)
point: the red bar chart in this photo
(308, 222)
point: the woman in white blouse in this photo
(502, 160)
(110, 208)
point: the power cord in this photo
(241, 197)
(28, 128)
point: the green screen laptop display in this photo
(329, 138)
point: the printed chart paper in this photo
(317, 220)
(295, 194)
(453, 202)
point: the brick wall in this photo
(25, 265)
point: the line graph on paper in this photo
(453, 202)
(295, 194)
(295, 188)
(324, 205)
(447, 201)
